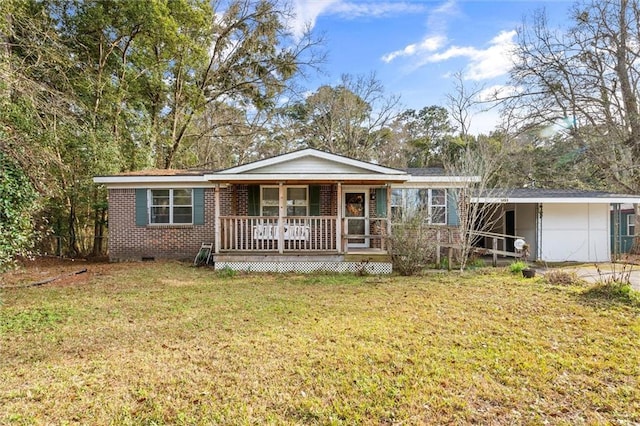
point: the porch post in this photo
(216, 220)
(281, 206)
(339, 218)
(389, 228)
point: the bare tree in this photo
(479, 160)
(477, 157)
(583, 83)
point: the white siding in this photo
(575, 232)
(309, 164)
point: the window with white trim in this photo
(171, 206)
(297, 202)
(631, 224)
(431, 203)
(269, 200)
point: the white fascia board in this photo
(423, 185)
(567, 200)
(416, 181)
(309, 152)
(306, 177)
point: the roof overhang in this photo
(302, 178)
(305, 166)
(556, 200)
(111, 180)
(420, 181)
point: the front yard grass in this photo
(165, 343)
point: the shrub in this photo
(17, 198)
(560, 277)
(226, 272)
(614, 292)
(412, 249)
(517, 267)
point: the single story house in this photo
(312, 210)
(560, 225)
(302, 211)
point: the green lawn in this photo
(165, 343)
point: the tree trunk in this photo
(73, 237)
(99, 221)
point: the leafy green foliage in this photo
(427, 135)
(17, 198)
(517, 267)
(613, 292)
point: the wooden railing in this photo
(378, 236)
(497, 240)
(268, 234)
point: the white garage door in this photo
(575, 232)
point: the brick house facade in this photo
(169, 214)
(129, 241)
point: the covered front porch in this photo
(311, 210)
(302, 234)
(346, 229)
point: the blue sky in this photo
(416, 46)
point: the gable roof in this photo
(303, 166)
(551, 196)
(309, 161)
(309, 165)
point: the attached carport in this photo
(559, 225)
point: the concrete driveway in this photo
(604, 271)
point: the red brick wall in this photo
(130, 242)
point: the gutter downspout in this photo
(539, 233)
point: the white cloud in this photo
(429, 44)
(307, 12)
(482, 63)
(494, 61)
(375, 9)
(437, 21)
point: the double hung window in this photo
(631, 224)
(297, 202)
(170, 206)
(428, 203)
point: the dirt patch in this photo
(65, 271)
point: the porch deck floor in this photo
(366, 251)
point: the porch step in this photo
(368, 257)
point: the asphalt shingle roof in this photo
(553, 193)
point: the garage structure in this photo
(559, 225)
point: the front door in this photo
(356, 213)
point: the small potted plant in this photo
(521, 266)
(528, 272)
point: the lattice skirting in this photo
(307, 267)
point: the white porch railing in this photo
(268, 234)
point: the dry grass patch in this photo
(165, 343)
